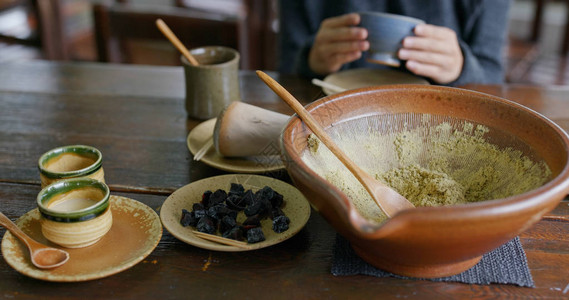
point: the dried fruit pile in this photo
(218, 211)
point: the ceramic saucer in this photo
(135, 233)
(359, 78)
(296, 208)
(255, 164)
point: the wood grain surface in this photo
(135, 116)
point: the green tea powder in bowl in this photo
(430, 160)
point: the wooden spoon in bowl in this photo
(388, 200)
(42, 256)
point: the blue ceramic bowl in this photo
(385, 34)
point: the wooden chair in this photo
(51, 29)
(261, 23)
(44, 28)
(121, 29)
(525, 61)
(537, 24)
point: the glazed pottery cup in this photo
(71, 162)
(385, 35)
(75, 213)
(214, 83)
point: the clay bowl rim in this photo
(486, 209)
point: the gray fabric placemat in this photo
(505, 265)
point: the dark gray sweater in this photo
(481, 27)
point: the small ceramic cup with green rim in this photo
(71, 162)
(75, 212)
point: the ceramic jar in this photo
(214, 83)
(75, 212)
(71, 162)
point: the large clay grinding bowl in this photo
(432, 241)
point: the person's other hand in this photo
(433, 52)
(337, 42)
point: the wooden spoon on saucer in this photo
(43, 257)
(388, 200)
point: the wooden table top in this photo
(135, 116)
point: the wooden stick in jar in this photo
(175, 41)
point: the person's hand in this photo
(337, 42)
(433, 52)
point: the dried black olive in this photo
(248, 198)
(246, 228)
(188, 218)
(236, 189)
(227, 223)
(254, 220)
(255, 235)
(198, 206)
(219, 211)
(207, 225)
(267, 207)
(275, 212)
(205, 198)
(199, 212)
(235, 202)
(233, 214)
(217, 197)
(234, 233)
(266, 192)
(256, 208)
(277, 200)
(280, 224)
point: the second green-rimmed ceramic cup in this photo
(71, 162)
(75, 212)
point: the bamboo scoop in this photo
(388, 200)
(174, 40)
(42, 256)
